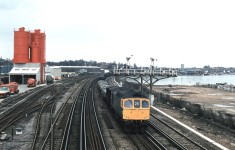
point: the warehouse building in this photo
(67, 71)
(22, 72)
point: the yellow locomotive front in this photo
(135, 108)
(135, 112)
(132, 110)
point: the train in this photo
(129, 107)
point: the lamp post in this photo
(152, 65)
(151, 95)
(128, 62)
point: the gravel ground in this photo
(22, 141)
(214, 98)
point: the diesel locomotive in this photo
(129, 107)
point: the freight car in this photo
(49, 79)
(129, 107)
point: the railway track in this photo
(90, 136)
(39, 101)
(47, 108)
(143, 141)
(28, 105)
(162, 136)
(49, 136)
(8, 104)
(177, 137)
(73, 124)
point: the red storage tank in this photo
(31, 45)
(36, 51)
(21, 46)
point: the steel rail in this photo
(155, 141)
(191, 130)
(192, 141)
(38, 123)
(65, 139)
(17, 105)
(176, 143)
(54, 122)
(14, 117)
(48, 102)
(144, 142)
(97, 121)
(83, 124)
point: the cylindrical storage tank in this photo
(32, 39)
(31, 45)
(21, 46)
(35, 50)
(43, 47)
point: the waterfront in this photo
(192, 80)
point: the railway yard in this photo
(72, 114)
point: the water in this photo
(192, 80)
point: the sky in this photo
(173, 32)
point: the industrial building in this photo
(66, 71)
(29, 56)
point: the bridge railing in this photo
(157, 72)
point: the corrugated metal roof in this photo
(24, 71)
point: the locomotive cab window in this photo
(145, 104)
(137, 103)
(128, 104)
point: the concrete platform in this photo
(211, 103)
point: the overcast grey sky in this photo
(190, 32)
